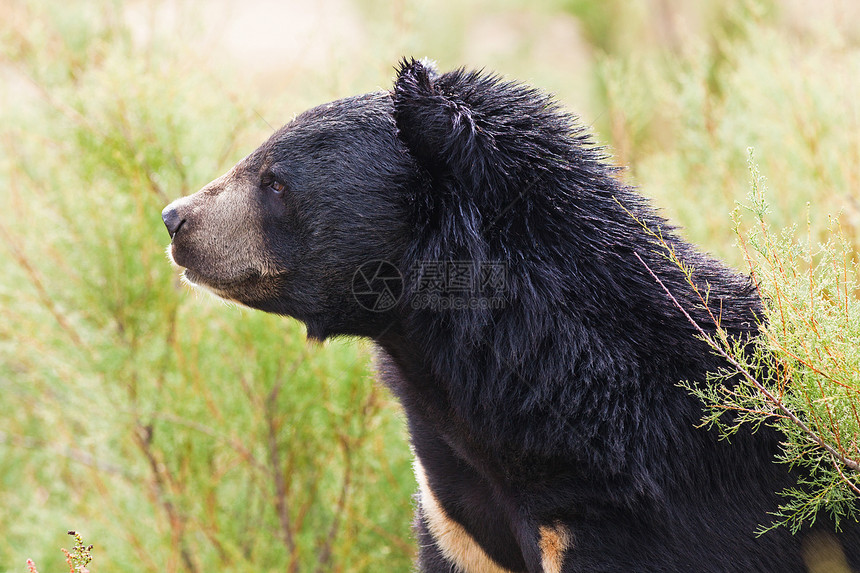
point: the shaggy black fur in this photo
(564, 402)
(561, 405)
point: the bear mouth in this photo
(221, 287)
(195, 281)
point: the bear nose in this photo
(172, 220)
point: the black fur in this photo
(562, 404)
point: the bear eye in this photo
(277, 187)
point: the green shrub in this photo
(802, 373)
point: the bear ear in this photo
(436, 124)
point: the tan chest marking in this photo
(555, 540)
(455, 543)
(459, 548)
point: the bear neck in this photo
(584, 352)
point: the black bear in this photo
(471, 229)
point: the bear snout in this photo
(172, 219)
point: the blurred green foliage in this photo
(177, 433)
(180, 434)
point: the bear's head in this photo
(287, 227)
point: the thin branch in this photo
(282, 505)
(161, 485)
(326, 550)
(75, 454)
(44, 296)
(231, 442)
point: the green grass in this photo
(181, 434)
